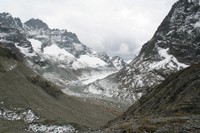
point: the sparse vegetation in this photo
(127, 127)
(2, 68)
(147, 128)
(4, 52)
(45, 85)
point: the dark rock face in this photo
(118, 62)
(6, 20)
(72, 36)
(36, 24)
(179, 32)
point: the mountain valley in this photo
(51, 82)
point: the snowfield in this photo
(169, 60)
(88, 61)
(54, 51)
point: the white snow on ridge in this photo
(88, 61)
(54, 50)
(37, 45)
(83, 61)
(168, 59)
(25, 51)
(95, 77)
(91, 61)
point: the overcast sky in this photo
(119, 27)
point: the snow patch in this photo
(128, 61)
(25, 50)
(93, 90)
(57, 52)
(36, 44)
(197, 24)
(51, 128)
(85, 60)
(78, 46)
(168, 59)
(18, 114)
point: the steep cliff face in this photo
(174, 46)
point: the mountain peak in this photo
(5, 14)
(7, 21)
(36, 24)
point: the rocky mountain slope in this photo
(174, 46)
(29, 102)
(172, 106)
(57, 55)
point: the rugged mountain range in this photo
(174, 46)
(57, 55)
(172, 106)
(30, 103)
